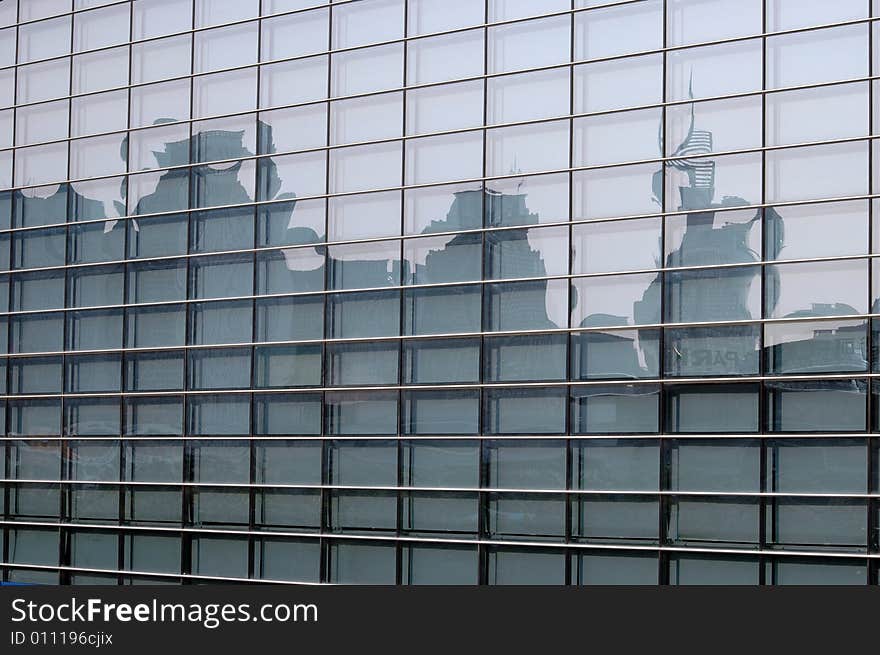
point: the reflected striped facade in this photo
(439, 291)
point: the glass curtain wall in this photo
(439, 291)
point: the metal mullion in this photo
(123, 377)
(7, 339)
(252, 451)
(186, 549)
(873, 507)
(327, 322)
(763, 427)
(569, 338)
(398, 550)
(662, 504)
(482, 480)
(64, 491)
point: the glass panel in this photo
(527, 253)
(615, 354)
(723, 350)
(361, 413)
(527, 148)
(616, 464)
(446, 360)
(533, 44)
(830, 405)
(372, 314)
(836, 170)
(615, 409)
(221, 322)
(295, 35)
(290, 82)
(812, 347)
(441, 412)
(364, 265)
(455, 258)
(442, 311)
(362, 364)
(525, 464)
(524, 411)
(523, 358)
(285, 414)
(283, 319)
(379, 68)
(360, 24)
(158, 17)
(813, 57)
(445, 107)
(615, 569)
(712, 408)
(615, 300)
(446, 57)
(358, 463)
(801, 116)
(426, 16)
(101, 28)
(440, 565)
(157, 60)
(616, 246)
(817, 289)
(817, 466)
(825, 230)
(538, 305)
(44, 39)
(615, 519)
(363, 168)
(442, 158)
(525, 516)
(694, 21)
(717, 70)
(226, 47)
(508, 566)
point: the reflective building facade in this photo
(439, 291)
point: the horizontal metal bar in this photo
(446, 336)
(405, 539)
(643, 437)
(707, 495)
(22, 273)
(461, 386)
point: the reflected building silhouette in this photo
(187, 193)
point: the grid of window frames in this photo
(456, 291)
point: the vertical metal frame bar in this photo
(485, 315)
(325, 572)
(7, 463)
(872, 506)
(570, 337)
(662, 501)
(763, 426)
(186, 494)
(398, 551)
